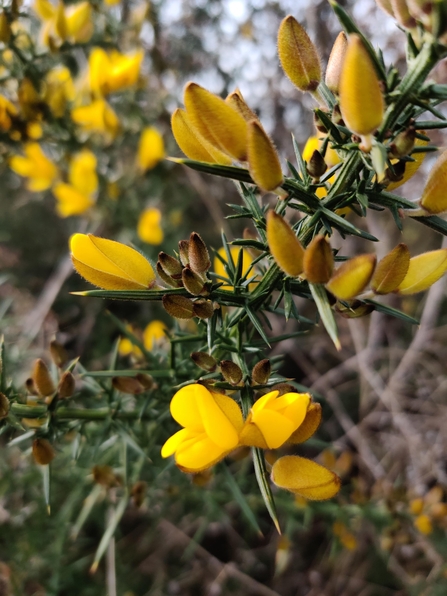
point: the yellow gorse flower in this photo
(64, 23)
(149, 229)
(110, 265)
(114, 71)
(153, 333)
(40, 171)
(78, 196)
(211, 425)
(59, 91)
(97, 117)
(151, 149)
(7, 111)
(423, 271)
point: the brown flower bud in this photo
(66, 386)
(178, 307)
(237, 102)
(316, 166)
(58, 353)
(203, 309)
(43, 452)
(193, 282)
(42, 379)
(231, 372)
(105, 476)
(403, 143)
(319, 125)
(396, 173)
(318, 261)
(204, 361)
(30, 387)
(127, 385)
(261, 372)
(170, 265)
(198, 256)
(138, 492)
(4, 406)
(167, 279)
(145, 380)
(183, 251)
(335, 62)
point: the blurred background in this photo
(383, 394)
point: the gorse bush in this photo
(65, 119)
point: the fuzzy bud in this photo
(231, 372)
(145, 380)
(318, 261)
(434, 195)
(204, 361)
(198, 256)
(386, 6)
(58, 353)
(352, 277)
(67, 385)
(318, 122)
(335, 62)
(129, 385)
(167, 279)
(316, 165)
(204, 309)
(285, 247)
(43, 452)
(42, 379)
(236, 101)
(193, 282)
(298, 55)
(4, 406)
(261, 372)
(263, 159)
(178, 307)
(183, 251)
(402, 14)
(170, 265)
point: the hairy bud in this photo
(231, 372)
(66, 386)
(204, 361)
(198, 256)
(42, 379)
(261, 372)
(43, 452)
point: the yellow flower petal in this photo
(217, 425)
(149, 229)
(153, 333)
(151, 149)
(309, 425)
(70, 200)
(352, 277)
(285, 247)
(174, 442)
(305, 477)
(434, 195)
(231, 410)
(391, 270)
(215, 120)
(423, 271)
(198, 454)
(263, 160)
(184, 408)
(82, 172)
(275, 428)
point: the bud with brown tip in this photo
(167, 279)
(231, 372)
(183, 250)
(236, 101)
(129, 385)
(204, 309)
(402, 14)
(204, 361)
(198, 256)
(67, 385)
(145, 380)
(42, 379)
(318, 261)
(170, 265)
(316, 166)
(178, 307)
(43, 452)
(403, 143)
(193, 282)
(261, 372)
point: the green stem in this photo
(66, 413)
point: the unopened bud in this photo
(183, 250)
(4, 406)
(434, 195)
(395, 173)
(204, 309)
(43, 452)
(263, 159)
(316, 165)
(198, 256)
(402, 14)
(352, 277)
(58, 353)
(403, 143)
(261, 372)
(285, 247)
(391, 270)
(167, 279)
(105, 476)
(337, 118)
(145, 380)
(170, 265)
(318, 122)
(236, 101)
(231, 372)
(127, 385)
(386, 6)
(30, 387)
(318, 261)
(42, 379)
(178, 307)
(67, 385)
(5, 28)
(204, 361)
(335, 62)
(193, 282)
(138, 492)
(298, 55)
(355, 310)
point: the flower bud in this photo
(361, 100)
(170, 265)
(335, 62)
(386, 6)
(198, 256)
(309, 426)
(66, 386)
(43, 452)
(204, 361)
(403, 143)
(129, 385)
(218, 122)
(391, 270)
(261, 372)
(105, 476)
(58, 353)
(193, 282)
(30, 387)
(352, 277)
(298, 55)
(237, 102)
(42, 379)
(204, 309)
(402, 14)
(285, 247)
(183, 249)
(4, 406)
(178, 307)
(263, 159)
(231, 372)
(434, 195)
(316, 166)
(423, 271)
(319, 125)
(145, 380)
(318, 261)
(167, 279)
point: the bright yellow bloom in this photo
(114, 71)
(127, 347)
(423, 271)
(219, 267)
(59, 90)
(304, 477)
(424, 524)
(153, 333)
(7, 110)
(211, 425)
(97, 117)
(273, 420)
(64, 23)
(149, 229)
(40, 171)
(110, 265)
(78, 196)
(151, 149)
